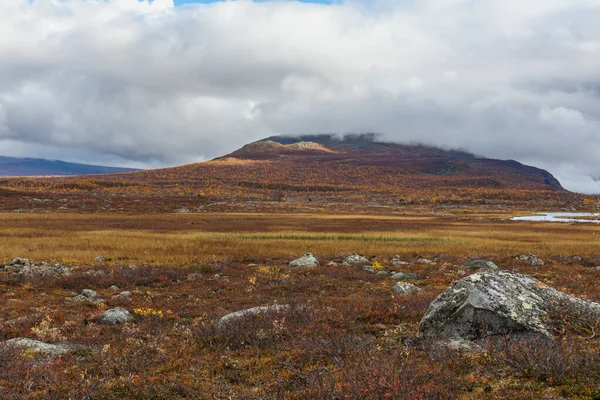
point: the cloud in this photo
(151, 84)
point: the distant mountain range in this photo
(11, 166)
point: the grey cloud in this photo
(140, 84)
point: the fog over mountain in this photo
(144, 84)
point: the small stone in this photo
(41, 347)
(113, 288)
(405, 288)
(100, 260)
(251, 312)
(308, 260)
(356, 260)
(116, 316)
(407, 275)
(89, 293)
(478, 264)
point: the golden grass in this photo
(183, 239)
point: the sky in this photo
(151, 84)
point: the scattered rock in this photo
(397, 263)
(252, 265)
(44, 270)
(95, 273)
(113, 288)
(425, 261)
(405, 288)
(126, 295)
(40, 347)
(89, 293)
(499, 303)
(332, 264)
(308, 260)
(532, 260)
(478, 264)
(17, 264)
(100, 260)
(356, 260)
(183, 210)
(219, 278)
(407, 275)
(115, 316)
(251, 312)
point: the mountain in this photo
(321, 171)
(11, 166)
(428, 165)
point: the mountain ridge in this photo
(24, 167)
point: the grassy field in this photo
(176, 239)
(346, 336)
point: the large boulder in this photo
(500, 303)
(308, 260)
(233, 317)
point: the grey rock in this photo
(41, 347)
(219, 278)
(407, 275)
(355, 260)
(499, 302)
(397, 263)
(231, 318)
(95, 273)
(126, 295)
(44, 271)
(532, 260)
(116, 316)
(113, 288)
(478, 264)
(405, 288)
(89, 293)
(308, 260)
(332, 264)
(425, 261)
(100, 260)
(20, 262)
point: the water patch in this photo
(561, 217)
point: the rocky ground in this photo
(346, 327)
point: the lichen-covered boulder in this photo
(308, 260)
(499, 303)
(356, 260)
(405, 288)
(251, 312)
(40, 347)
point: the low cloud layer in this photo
(123, 82)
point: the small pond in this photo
(561, 217)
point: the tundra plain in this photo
(346, 334)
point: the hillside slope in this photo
(425, 163)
